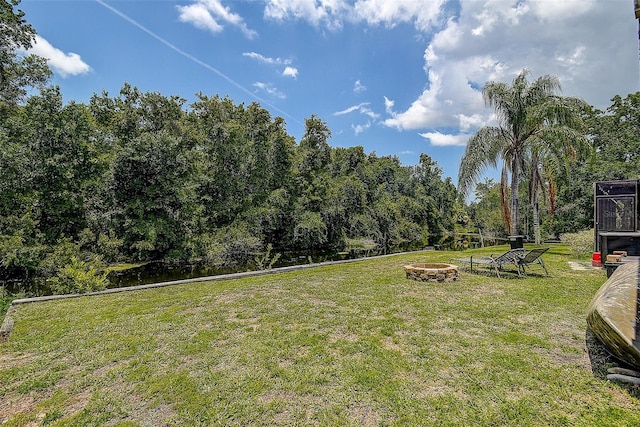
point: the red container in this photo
(596, 260)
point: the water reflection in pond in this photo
(156, 272)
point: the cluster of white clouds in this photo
(334, 14)
(590, 45)
(287, 71)
(359, 87)
(362, 108)
(212, 15)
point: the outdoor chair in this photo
(495, 263)
(533, 257)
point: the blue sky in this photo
(399, 77)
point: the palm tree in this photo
(529, 115)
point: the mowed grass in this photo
(343, 345)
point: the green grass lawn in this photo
(342, 345)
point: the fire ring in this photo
(432, 272)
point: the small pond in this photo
(157, 271)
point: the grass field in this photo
(342, 345)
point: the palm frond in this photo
(483, 150)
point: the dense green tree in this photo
(574, 204)
(17, 71)
(386, 214)
(63, 162)
(440, 195)
(485, 210)
(346, 161)
(314, 151)
(21, 245)
(310, 231)
(280, 155)
(220, 138)
(151, 187)
(550, 159)
(615, 135)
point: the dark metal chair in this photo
(495, 263)
(533, 257)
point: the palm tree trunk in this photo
(534, 187)
(536, 221)
(515, 175)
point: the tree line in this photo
(139, 177)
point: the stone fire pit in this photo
(432, 272)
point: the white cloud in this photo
(445, 140)
(485, 17)
(370, 113)
(362, 108)
(573, 59)
(265, 59)
(474, 121)
(388, 105)
(65, 64)
(200, 17)
(269, 89)
(562, 10)
(449, 39)
(330, 13)
(333, 13)
(358, 129)
(475, 42)
(359, 87)
(348, 110)
(424, 14)
(206, 14)
(427, 111)
(290, 72)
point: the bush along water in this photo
(266, 260)
(78, 277)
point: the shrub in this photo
(108, 246)
(266, 261)
(310, 231)
(78, 277)
(230, 246)
(580, 243)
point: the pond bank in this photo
(228, 276)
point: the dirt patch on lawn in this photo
(10, 407)
(15, 361)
